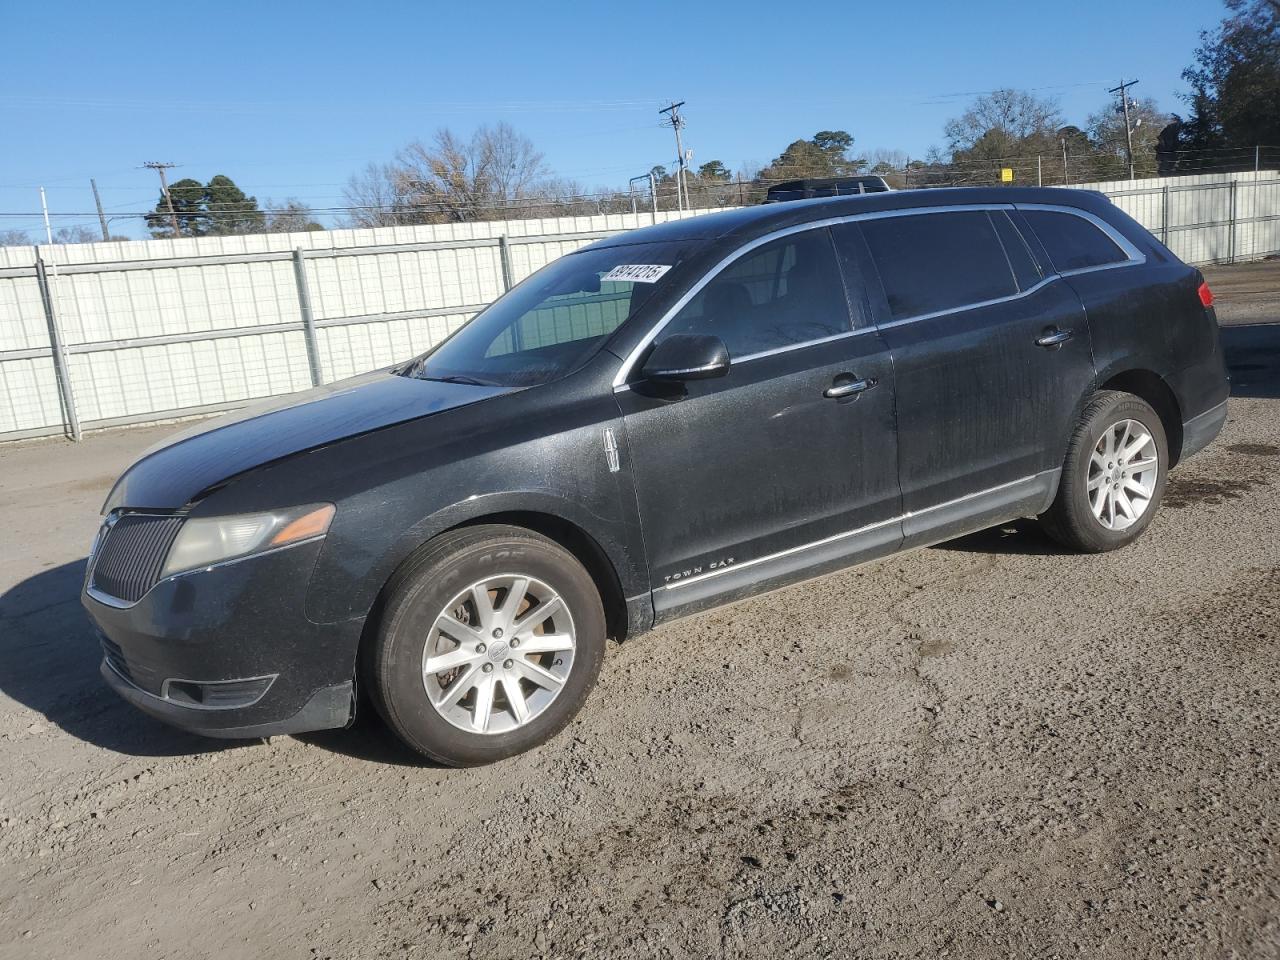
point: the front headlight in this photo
(209, 540)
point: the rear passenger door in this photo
(990, 358)
(1089, 256)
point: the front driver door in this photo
(788, 464)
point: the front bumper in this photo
(229, 652)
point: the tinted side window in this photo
(1072, 242)
(1025, 269)
(784, 293)
(938, 261)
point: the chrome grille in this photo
(132, 553)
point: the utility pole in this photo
(1065, 177)
(52, 309)
(1123, 90)
(102, 218)
(675, 121)
(160, 168)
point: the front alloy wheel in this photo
(489, 641)
(498, 654)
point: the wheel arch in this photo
(1151, 388)
(584, 547)
(546, 516)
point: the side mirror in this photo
(687, 356)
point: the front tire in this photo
(489, 643)
(1113, 477)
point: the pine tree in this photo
(217, 208)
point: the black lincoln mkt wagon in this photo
(661, 422)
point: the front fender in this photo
(625, 559)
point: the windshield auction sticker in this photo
(636, 273)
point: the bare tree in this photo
(292, 216)
(375, 198)
(1001, 121)
(76, 234)
(455, 180)
(889, 164)
(15, 238)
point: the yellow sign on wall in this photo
(1006, 174)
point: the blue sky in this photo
(289, 98)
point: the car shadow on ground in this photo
(367, 739)
(1253, 359)
(1023, 537)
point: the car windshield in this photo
(552, 322)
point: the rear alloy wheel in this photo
(1113, 476)
(1123, 471)
(490, 641)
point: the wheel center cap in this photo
(497, 651)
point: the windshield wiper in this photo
(458, 378)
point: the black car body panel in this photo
(886, 432)
(184, 466)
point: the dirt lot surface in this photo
(983, 750)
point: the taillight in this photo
(1206, 295)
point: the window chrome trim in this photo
(1135, 256)
(1044, 282)
(853, 533)
(788, 347)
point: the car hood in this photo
(182, 467)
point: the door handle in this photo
(1054, 339)
(853, 387)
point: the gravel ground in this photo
(985, 749)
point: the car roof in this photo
(747, 223)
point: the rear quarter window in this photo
(1073, 243)
(938, 261)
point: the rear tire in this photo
(489, 643)
(1113, 477)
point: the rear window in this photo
(938, 261)
(1073, 243)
